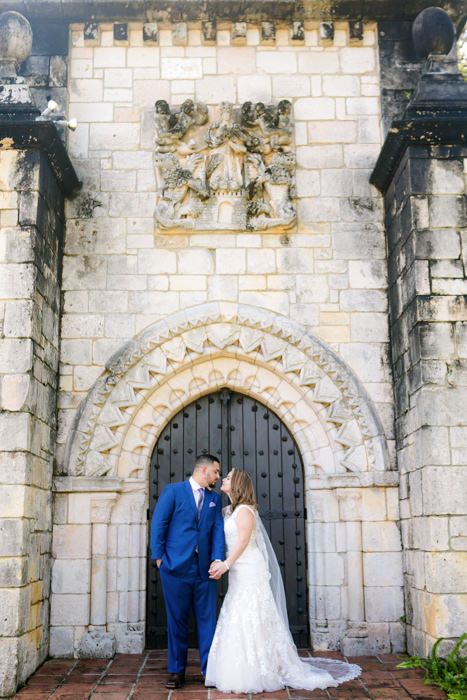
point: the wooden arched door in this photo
(246, 435)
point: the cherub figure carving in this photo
(233, 172)
(181, 192)
(269, 190)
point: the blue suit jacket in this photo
(176, 531)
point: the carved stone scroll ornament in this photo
(235, 171)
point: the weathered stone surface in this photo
(96, 645)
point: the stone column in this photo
(35, 175)
(422, 173)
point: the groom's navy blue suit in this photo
(187, 545)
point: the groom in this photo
(187, 534)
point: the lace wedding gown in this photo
(253, 650)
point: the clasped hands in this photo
(217, 569)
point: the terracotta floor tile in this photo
(217, 695)
(109, 696)
(149, 695)
(274, 694)
(189, 695)
(308, 694)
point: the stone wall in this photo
(426, 219)
(120, 275)
(31, 226)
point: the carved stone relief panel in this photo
(232, 170)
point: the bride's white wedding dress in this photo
(253, 650)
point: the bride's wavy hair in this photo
(241, 489)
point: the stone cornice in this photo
(437, 116)
(192, 10)
(26, 133)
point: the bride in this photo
(253, 650)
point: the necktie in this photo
(200, 501)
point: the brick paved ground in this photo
(143, 676)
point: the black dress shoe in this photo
(176, 680)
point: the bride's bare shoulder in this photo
(225, 509)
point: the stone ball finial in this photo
(432, 32)
(15, 37)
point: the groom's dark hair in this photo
(205, 460)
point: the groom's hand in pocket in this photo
(158, 563)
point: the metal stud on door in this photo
(246, 435)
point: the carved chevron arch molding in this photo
(197, 351)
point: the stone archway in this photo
(172, 363)
(253, 350)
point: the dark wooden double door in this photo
(247, 435)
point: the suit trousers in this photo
(181, 595)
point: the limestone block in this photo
(14, 604)
(16, 281)
(289, 86)
(323, 506)
(308, 183)
(443, 490)
(445, 177)
(320, 62)
(153, 301)
(254, 88)
(82, 325)
(88, 272)
(14, 572)
(21, 319)
(210, 87)
(69, 609)
(378, 638)
(310, 108)
(368, 360)
(445, 572)
(275, 301)
(373, 504)
(353, 241)
(226, 287)
(440, 243)
(15, 390)
(443, 615)
(15, 431)
(363, 300)
(329, 156)
(380, 537)
(368, 274)
(9, 660)
(181, 68)
(76, 351)
(109, 57)
(378, 569)
(236, 59)
(61, 642)
(371, 327)
(230, 261)
(397, 636)
(356, 59)
(357, 106)
(96, 644)
(72, 542)
(430, 534)
(114, 136)
(71, 576)
(157, 261)
(341, 86)
(276, 61)
(431, 444)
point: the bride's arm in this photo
(245, 524)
